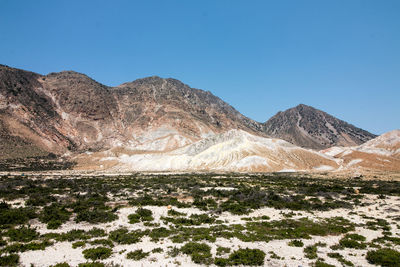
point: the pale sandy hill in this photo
(380, 153)
(234, 150)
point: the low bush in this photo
(384, 257)
(221, 262)
(9, 260)
(98, 253)
(137, 255)
(96, 216)
(194, 219)
(141, 215)
(157, 250)
(159, 233)
(173, 212)
(54, 215)
(19, 247)
(310, 252)
(353, 241)
(61, 264)
(123, 236)
(9, 216)
(199, 252)
(320, 263)
(223, 250)
(22, 234)
(104, 242)
(79, 244)
(247, 257)
(91, 264)
(340, 258)
(296, 243)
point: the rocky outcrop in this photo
(308, 127)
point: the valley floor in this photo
(198, 219)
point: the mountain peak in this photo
(304, 106)
(307, 126)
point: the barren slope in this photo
(381, 153)
(234, 150)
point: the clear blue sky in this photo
(340, 56)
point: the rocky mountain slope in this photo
(69, 111)
(159, 124)
(308, 127)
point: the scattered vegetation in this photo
(57, 199)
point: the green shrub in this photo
(247, 257)
(98, 253)
(137, 255)
(61, 264)
(194, 219)
(96, 216)
(104, 242)
(141, 215)
(235, 208)
(173, 212)
(320, 263)
(296, 243)
(123, 236)
(221, 262)
(199, 252)
(54, 215)
(9, 260)
(73, 235)
(157, 250)
(91, 264)
(79, 244)
(54, 224)
(19, 247)
(223, 250)
(340, 258)
(384, 257)
(310, 252)
(11, 216)
(40, 200)
(22, 234)
(158, 233)
(352, 241)
(173, 252)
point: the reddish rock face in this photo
(69, 111)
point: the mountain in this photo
(308, 127)
(380, 153)
(68, 111)
(157, 124)
(234, 150)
